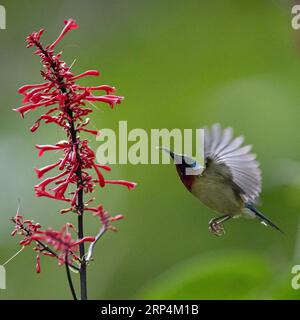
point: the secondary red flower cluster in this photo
(66, 104)
(52, 243)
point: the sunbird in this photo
(230, 181)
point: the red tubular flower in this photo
(103, 166)
(128, 184)
(42, 171)
(107, 89)
(100, 176)
(38, 264)
(76, 170)
(24, 109)
(84, 239)
(69, 25)
(23, 89)
(85, 74)
(58, 146)
(111, 100)
(105, 218)
(95, 132)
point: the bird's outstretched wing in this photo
(222, 149)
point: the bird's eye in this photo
(189, 162)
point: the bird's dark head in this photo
(188, 169)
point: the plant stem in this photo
(92, 245)
(80, 211)
(83, 280)
(70, 279)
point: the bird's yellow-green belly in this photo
(217, 195)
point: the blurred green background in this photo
(180, 64)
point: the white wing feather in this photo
(223, 149)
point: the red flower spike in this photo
(51, 243)
(64, 103)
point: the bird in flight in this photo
(229, 183)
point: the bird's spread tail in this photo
(266, 221)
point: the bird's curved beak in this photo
(177, 158)
(169, 152)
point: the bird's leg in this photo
(216, 227)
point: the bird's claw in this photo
(216, 228)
